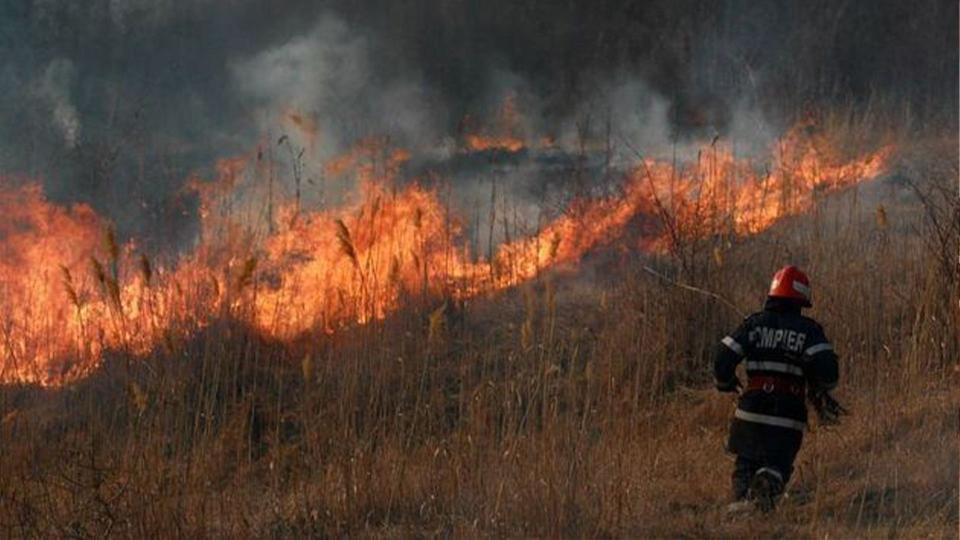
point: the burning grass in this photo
(306, 272)
(429, 394)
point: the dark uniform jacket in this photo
(786, 354)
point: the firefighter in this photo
(788, 358)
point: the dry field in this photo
(579, 404)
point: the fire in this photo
(304, 124)
(36, 237)
(479, 143)
(505, 134)
(70, 292)
(370, 158)
(722, 194)
(329, 270)
(66, 296)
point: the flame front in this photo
(505, 134)
(69, 292)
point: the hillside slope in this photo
(570, 407)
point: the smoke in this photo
(330, 73)
(139, 12)
(117, 102)
(54, 87)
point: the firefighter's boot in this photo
(765, 489)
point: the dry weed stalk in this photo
(437, 324)
(346, 243)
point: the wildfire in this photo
(505, 134)
(69, 291)
(36, 235)
(304, 124)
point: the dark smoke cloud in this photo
(115, 102)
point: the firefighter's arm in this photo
(823, 374)
(823, 371)
(730, 351)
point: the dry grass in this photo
(574, 407)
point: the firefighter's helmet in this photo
(790, 282)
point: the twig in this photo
(711, 294)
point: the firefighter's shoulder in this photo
(814, 324)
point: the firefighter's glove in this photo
(733, 385)
(829, 410)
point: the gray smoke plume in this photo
(117, 102)
(330, 73)
(54, 86)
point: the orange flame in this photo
(303, 123)
(315, 271)
(506, 132)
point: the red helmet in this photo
(790, 282)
